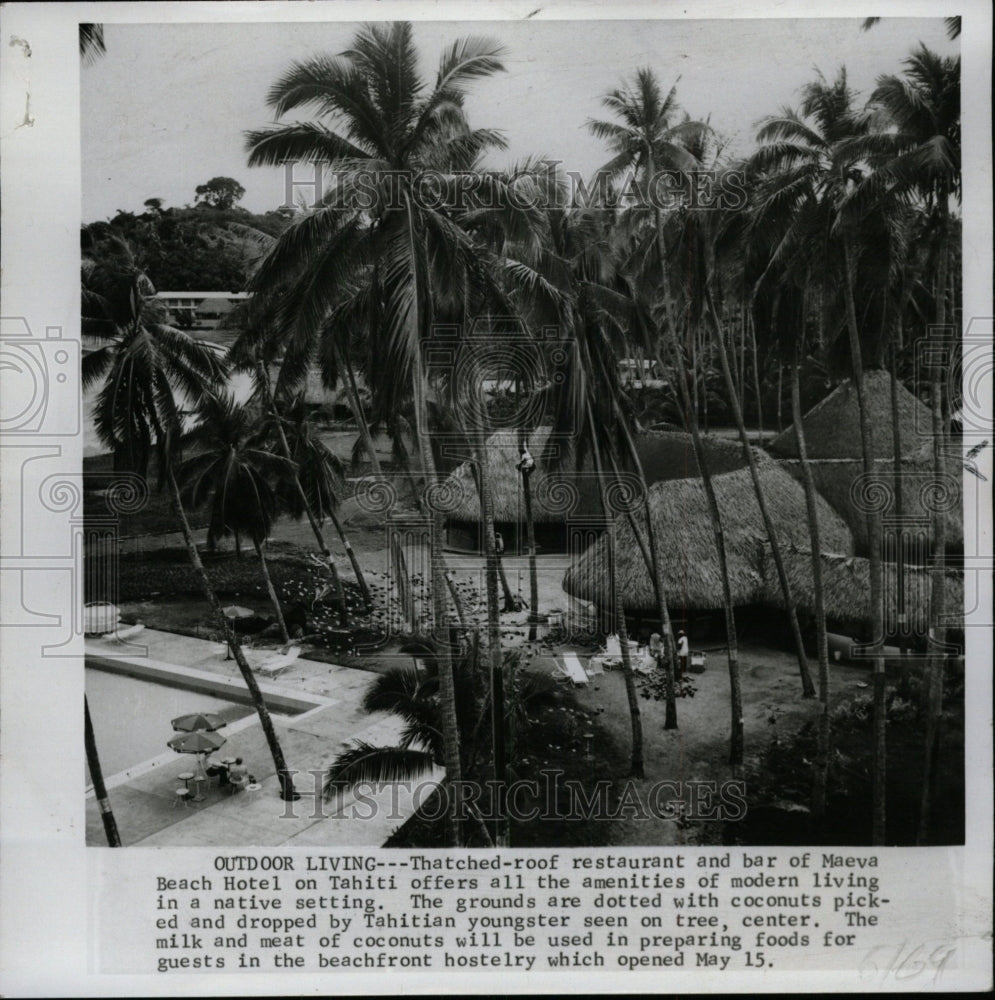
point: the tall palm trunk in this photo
(333, 570)
(880, 760)
(756, 384)
(498, 714)
(938, 594)
(447, 686)
(356, 405)
(450, 581)
(821, 776)
(357, 570)
(282, 773)
(616, 609)
(271, 590)
(899, 504)
(808, 688)
(510, 601)
(530, 544)
(654, 566)
(97, 776)
(735, 688)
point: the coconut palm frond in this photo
(366, 764)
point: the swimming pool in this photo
(131, 716)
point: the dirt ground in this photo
(698, 750)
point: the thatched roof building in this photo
(691, 570)
(561, 493)
(691, 567)
(846, 591)
(832, 438)
(832, 426)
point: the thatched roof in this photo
(691, 574)
(832, 426)
(691, 568)
(832, 438)
(558, 493)
(841, 482)
(550, 502)
(846, 590)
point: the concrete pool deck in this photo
(145, 803)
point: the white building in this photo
(202, 310)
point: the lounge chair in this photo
(270, 666)
(572, 670)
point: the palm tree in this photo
(254, 350)
(704, 242)
(413, 693)
(383, 129)
(824, 735)
(919, 157)
(952, 25)
(146, 365)
(312, 490)
(232, 472)
(97, 776)
(812, 165)
(645, 141)
(91, 42)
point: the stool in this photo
(182, 796)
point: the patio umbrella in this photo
(237, 611)
(197, 742)
(198, 722)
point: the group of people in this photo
(236, 775)
(683, 652)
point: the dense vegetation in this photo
(211, 246)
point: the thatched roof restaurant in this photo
(832, 439)
(559, 493)
(691, 569)
(846, 591)
(690, 560)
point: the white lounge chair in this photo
(571, 669)
(270, 666)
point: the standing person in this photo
(682, 654)
(526, 463)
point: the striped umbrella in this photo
(198, 722)
(197, 742)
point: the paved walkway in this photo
(149, 813)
